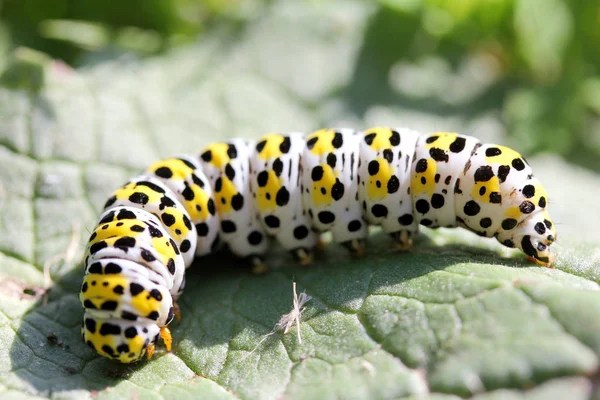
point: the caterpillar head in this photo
(122, 340)
(534, 237)
(526, 224)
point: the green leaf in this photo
(543, 29)
(457, 316)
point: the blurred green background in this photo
(535, 62)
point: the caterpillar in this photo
(292, 187)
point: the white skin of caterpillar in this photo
(292, 186)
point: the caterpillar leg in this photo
(356, 247)
(258, 265)
(547, 264)
(402, 240)
(177, 311)
(150, 351)
(304, 256)
(165, 334)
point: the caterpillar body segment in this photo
(438, 167)
(137, 235)
(150, 194)
(384, 182)
(227, 166)
(330, 179)
(276, 186)
(292, 187)
(126, 294)
(128, 268)
(115, 338)
(184, 177)
(124, 309)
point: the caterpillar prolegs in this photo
(292, 187)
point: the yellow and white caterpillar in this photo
(293, 187)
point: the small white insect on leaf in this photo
(287, 321)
